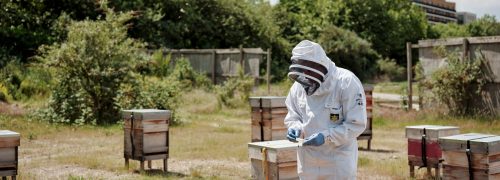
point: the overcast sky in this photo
(479, 7)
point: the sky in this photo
(479, 7)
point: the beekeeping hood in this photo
(310, 67)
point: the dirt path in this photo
(11, 109)
(92, 155)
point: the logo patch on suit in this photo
(334, 117)
(359, 99)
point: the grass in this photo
(395, 88)
(209, 144)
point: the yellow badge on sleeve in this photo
(334, 117)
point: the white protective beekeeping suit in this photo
(337, 109)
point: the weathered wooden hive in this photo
(273, 159)
(368, 133)
(423, 146)
(268, 115)
(146, 135)
(471, 155)
(9, 144)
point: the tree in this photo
(386, 24)
(25, 25)
(92, 63)
(448, 30)
(484, 26)
(349, 51)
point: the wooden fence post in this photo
(268, 71)
(214, 67)
(465, 52)
(242, 59)
(409, 71)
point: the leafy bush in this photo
(4, 94)
(152, 93)
(240, 85)
(181, 71)
(390, 69)
(457, 84)
(92, 63)
(11, 77)
(161, 66)
(36, 82)
(187, 76)
(25, 82)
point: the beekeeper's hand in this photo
(293, 134)
(314, 140)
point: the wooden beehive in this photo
(425, 138)
(268, 115)
(9, 144)
(273, 159)
(484, 156)
(146, 135)
(368, 133)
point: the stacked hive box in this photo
(268, 115)
(9, 143)
(146, 135)
(423, 146)
(368, 134)
(273, 159)
(471, 156)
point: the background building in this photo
(438, 11)
(465, 17)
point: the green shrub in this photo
(92, 63)
(184, 73)
(390, 69)
(152, 93)
(36, 82)
(23, 81)
(459, 83)
(4, 94)
(240, 85)
(11, 77)
(161, 65)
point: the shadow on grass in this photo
(378, 150)
(159, 172)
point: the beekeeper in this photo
(326, 106)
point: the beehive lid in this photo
(459, 142)
(267, 101)
(277, 151)
(432, 132)
(488, 145)
(146, 114)
(7, 133)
